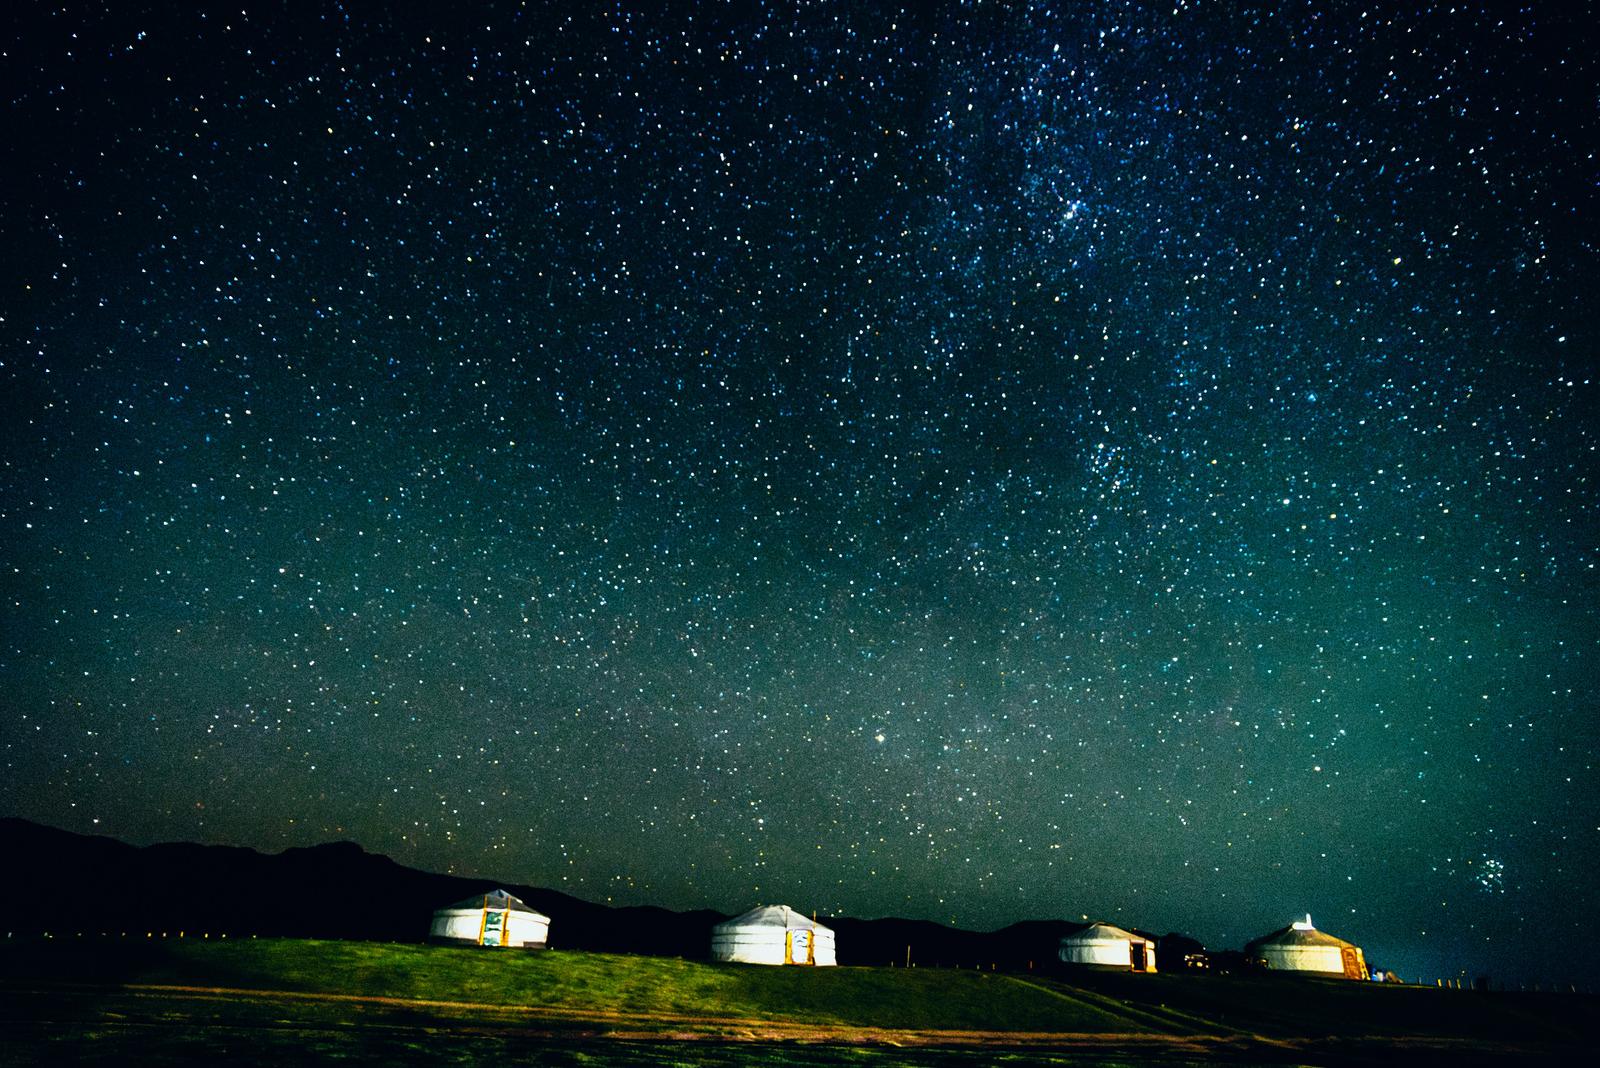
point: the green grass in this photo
(88, 1002)
(583, 982)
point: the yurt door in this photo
(494, 931)
(800, 951)
(1136, 955)
(1347, 956)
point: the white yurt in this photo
(1109, 946)
(773, 934)
(1300, 947)
(492, 919)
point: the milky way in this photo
(995, 462)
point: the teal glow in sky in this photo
(1006, 462)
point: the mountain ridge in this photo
(340, 890)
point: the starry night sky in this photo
(976, 463)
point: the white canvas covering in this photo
(1109, 946)
(773, 934)
(1302, 948)
(492, 919)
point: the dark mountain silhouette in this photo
(64, 883)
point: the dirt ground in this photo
(161, 1025)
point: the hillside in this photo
(578, 984)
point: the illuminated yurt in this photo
(1302, 948)
(773, 934)
(1109, 946)
(492, 919)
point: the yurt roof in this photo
(1103, 932)
(774, 916)
(1299, 933)
(494, 899)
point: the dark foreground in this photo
(361, 1003)
(171, 1027)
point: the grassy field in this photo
(278, 1001)
(584, 983)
